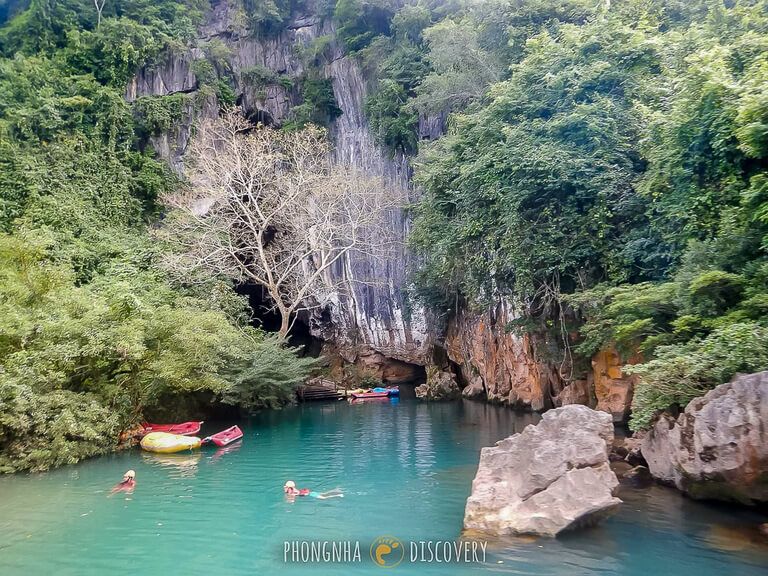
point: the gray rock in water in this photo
(475, 389)
(440, 385)
(549, 478)
(718, 447)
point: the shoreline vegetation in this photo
(602, 165)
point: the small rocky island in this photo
(549, 478)
(555, 476)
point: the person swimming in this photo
(291, 491)
(127, 484)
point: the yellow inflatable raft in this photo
(165, 443)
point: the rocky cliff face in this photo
(718, 447)
(531, 372)
(369, 325)
(369, 322)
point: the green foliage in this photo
(269, 377)
(218, 54)
(92, 333)
(714, 292)
(537, 188)
(409, 22)
(681, 372)
(123, 341)
(360, 21)
(399, 66)
(633, 318)
(267, 16)
(393, 124)
(618, 169)
(41, 431)
(204, 71)
(224, 93)
(313, 51)
(158, 114)
(460, 68)
(318, 104)
(261, 76)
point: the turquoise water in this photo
(406, 470)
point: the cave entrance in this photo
(268, 319)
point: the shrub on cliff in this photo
(681, 372)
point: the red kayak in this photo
(183, 429)
(225, 437)
(369, 400)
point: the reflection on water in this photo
(220, 452)
(179, 465)
(406, 470)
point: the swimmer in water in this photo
(291, 491)
(127, 484)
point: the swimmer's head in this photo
(130, 475)
(290, 485)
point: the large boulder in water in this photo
(718, 447)
(475, 389)
(547, 479)
(440, 385)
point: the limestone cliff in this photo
(367, 323)
(372, 327)
(718, 447)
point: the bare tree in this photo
(99, 9)
(271, 208)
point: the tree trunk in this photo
(285, 323)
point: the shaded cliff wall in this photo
(532, 371)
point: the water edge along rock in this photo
(718, 447)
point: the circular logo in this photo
(387, 551)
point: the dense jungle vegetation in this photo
(92, 332)
(603, 165)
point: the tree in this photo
(271, 208)
(462, 68)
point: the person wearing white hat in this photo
(291, 491)
(127, 484)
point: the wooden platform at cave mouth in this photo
(320, 389)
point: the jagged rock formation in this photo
(475, 389)
(440, 385)
(506, 362)
(613, 390)
(549, 478)
(718, 447)
(529, 372)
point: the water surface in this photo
(406, 469)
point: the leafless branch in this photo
(271, 208)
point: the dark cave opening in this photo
(268, 319)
